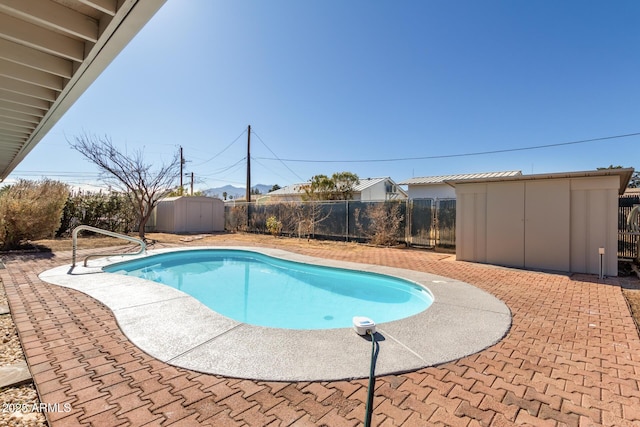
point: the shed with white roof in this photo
(436, 187)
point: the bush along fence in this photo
(416, 222)
(110, 211)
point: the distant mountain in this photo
(235, 192)
(229, 189)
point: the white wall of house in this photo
(554, 223)
(431, 191)
(366, 191)
(376, 192)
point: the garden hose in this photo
(369, 406)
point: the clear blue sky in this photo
(365, 79)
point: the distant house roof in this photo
(441, 179)
(369, 182)
(288, 189)
(362, 185)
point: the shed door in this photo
(194, 218)
(505, 223)
(206, 217)
(199, 217)
(547, 225)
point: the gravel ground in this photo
(18, 405)
(11, 349)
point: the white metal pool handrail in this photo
(143, 246)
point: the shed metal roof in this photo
(441, 179)
(623, 173)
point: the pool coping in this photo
(179, 330)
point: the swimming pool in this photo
(174, 327)
(260, 290)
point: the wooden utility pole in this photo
(248, 192)
(181, 163)
(192, 183)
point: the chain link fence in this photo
(416, 222)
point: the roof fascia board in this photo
(128, 21)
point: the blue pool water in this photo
(260, 290)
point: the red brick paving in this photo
(571, 358)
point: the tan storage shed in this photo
(189, 214)
(553, 221)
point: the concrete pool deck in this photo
(177, 329)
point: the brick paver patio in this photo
(571, 358)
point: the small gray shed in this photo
(556, 221)
(189, 214)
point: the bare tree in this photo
(303, 218)
(382, 223)
(130, 174)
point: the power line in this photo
(445, 156)
(225, 169)
(65, 174)
(273, 172)
(285, 165)
(223, 150)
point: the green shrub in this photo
(274, 226)
(110, 211)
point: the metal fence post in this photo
(407, 224)
(346, 232)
